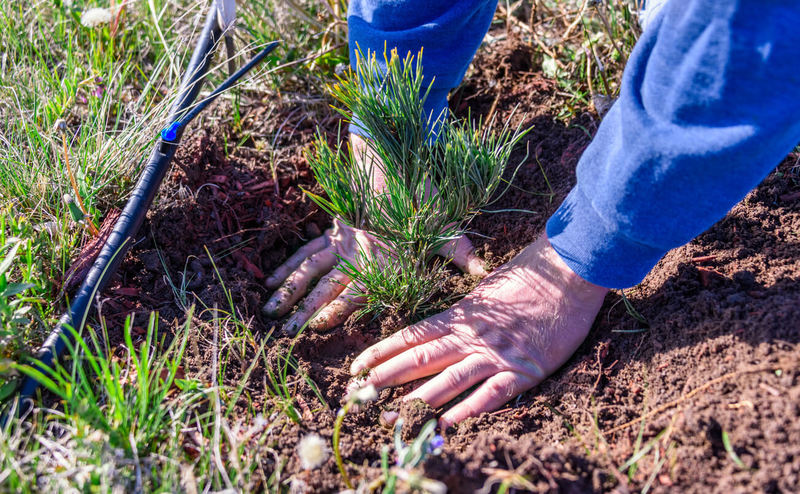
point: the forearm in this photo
(709, 105)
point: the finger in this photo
(422, 332)
(337, 312)
(453, 381)
(415, 363)
(491, 395)
(462, 254)
(326, 290)
(297, 283)
(290, 265)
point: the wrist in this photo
(365, 157)
(548, 266)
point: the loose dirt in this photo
(725, 307)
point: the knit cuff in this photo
(594, 247)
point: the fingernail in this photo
(388, 418)
(318, 323)
(270, 309)
(356, 367)
(478, 267)
(292, 326)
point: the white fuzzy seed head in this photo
(366, 394)
(96, 17)
(60, 125)
(260, 421)
(313, 451)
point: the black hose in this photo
(170, 133)
(129, 222)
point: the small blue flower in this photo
(436, 443)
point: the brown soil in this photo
(718, 353)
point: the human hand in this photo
(319, 260)
(516, 328)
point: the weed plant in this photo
(406, 474)
(581, 45)
(439, 174)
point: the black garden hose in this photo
(129, 222)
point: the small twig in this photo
(298, 10)
(272, 161)
(690, 394)
(577, 20)
(74, 183)
(492, 109)
(623, 57)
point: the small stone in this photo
(745, 278)
(415, 414)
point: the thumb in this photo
(461, 252)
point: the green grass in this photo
(138, 416)
(130, 418)
(110, 90)
(583, 46)
(112, 86)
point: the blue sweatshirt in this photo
(709, 104)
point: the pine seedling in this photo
(398, 289)
(439, 173)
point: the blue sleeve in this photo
(709, 104)
(449, 32)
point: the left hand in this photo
(332, 299)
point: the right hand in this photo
(513, 330)
(319, 259)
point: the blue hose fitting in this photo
(170, 133)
